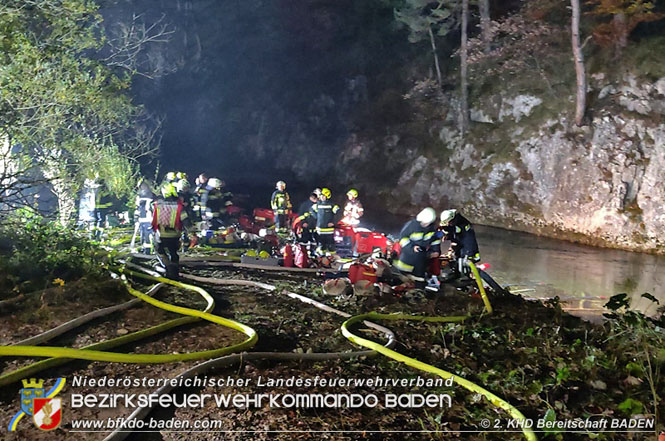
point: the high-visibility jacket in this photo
(414, 234)
(280, 202)
(168, 217)
(325, 212)
(353, 211)
(460, 233)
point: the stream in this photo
(584, 277)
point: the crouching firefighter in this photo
(418, 244)
(459, 231)
(168, 222)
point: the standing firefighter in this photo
(418, 243)
(281, 206)
(200, 196)
(143, 215)
(459, 231)
(353, 210)
(168, 222)
(306, 231)
(325, 213)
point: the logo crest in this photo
(48, 413)
(31, 389)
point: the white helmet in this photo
(215, 183)
(447, 216)
(280, 184)
(427, 216)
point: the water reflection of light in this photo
(583, 276)
(568, 270)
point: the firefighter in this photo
(418, 243)
(459, 231)
(184, 189)
(143, 215)
(280, 203)
(103, 206)
(200, 193)
(306, 231)
(353, 210)
(325, 215)
(169, 219)
(214, 202)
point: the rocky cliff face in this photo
(526, 166)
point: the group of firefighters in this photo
(163, 220)
(317, 216)
(419, 240)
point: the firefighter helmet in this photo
(447, 216)
(353, 193)
(326, 192)
(169, 190)
(215, 183)
(426, 216)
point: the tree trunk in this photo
(464, 93)
(63, 189)
(579, 63)
(620, 25)
(485, 25)
(436, 56)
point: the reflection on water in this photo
(585, 277)
(552, 267)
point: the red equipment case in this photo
(360, 271)
(264, 216)
(367, 241)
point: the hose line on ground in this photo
(96, 355)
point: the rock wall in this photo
(526, 166)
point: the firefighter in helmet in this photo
(353, 210)
(418, 243)
(280, 203)
(463, 244)
(324, 214)
(169, 219)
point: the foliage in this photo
(518, 44)
(35, 253)
(423, 16)
(626, 15)
(68, 113)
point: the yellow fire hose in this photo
(89, 354)
(495, 400)
(192, 314)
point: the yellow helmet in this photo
(181, 175)
(169, 190)
(353, 193)
(326, 192)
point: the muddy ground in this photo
(542, 360)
